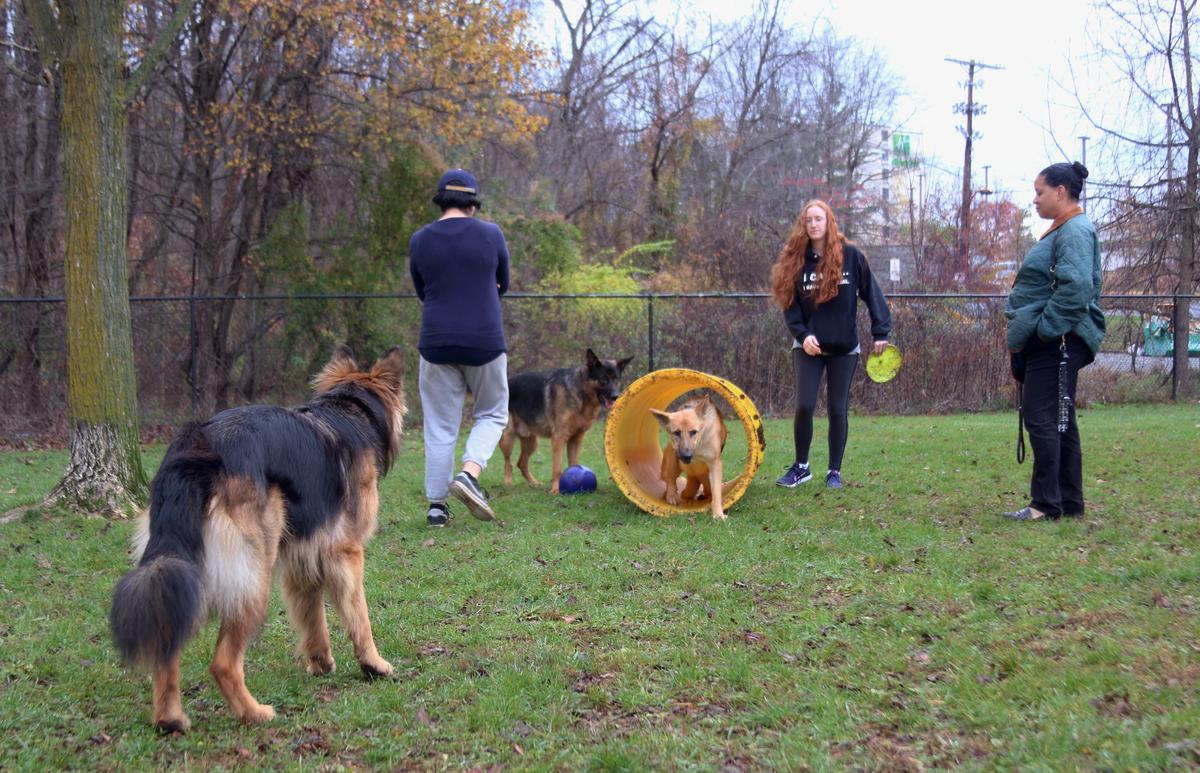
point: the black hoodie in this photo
(835, 322)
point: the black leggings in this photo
(839, 372)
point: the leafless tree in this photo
(1152, 144)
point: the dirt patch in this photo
(608, 721)
(887, 747)
(1115, 705)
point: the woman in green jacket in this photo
(1054, 328)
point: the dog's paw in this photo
(258, 714)
(720, 516)
(171, 725)
(377, 670)
(671, 497)
(320, 664)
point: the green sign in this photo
(902, 152)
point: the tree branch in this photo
(45, 29)
(24, 75)
(165, 37)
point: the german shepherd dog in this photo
(252, 490)
(697, 437)
(559, 404)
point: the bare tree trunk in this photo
(1187, 267)
(105, 471)
(1186, 102)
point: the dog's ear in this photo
(390, 368)
(343, 353)
(340, 367)
(704, 405)
(622, 363)
(592, 359)
(663, 418)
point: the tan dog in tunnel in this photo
(697, 435)
(254, 491)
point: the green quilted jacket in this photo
(1074, 306)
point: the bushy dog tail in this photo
(159, 605)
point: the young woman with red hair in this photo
(817, 281)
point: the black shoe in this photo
(794, 476)
(438, 514)
(833, 479)
(468, 491)
(1027, 514)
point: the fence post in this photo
(650, 332)
(1179, 344)
(192, 341)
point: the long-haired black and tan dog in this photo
(254, 490)
(559, 404)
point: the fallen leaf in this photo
(428, 543)
(423, 717)
(569, 618)
(517, 748)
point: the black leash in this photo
(1020, 423)
(1064, 395)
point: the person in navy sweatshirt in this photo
(459, 268)
(817, 280)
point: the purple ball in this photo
(577, 479)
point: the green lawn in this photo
(898, 624)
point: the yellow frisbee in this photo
(885, 365)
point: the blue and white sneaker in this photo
(833, 479)
(438, 514)
(468, 491)
(796, 474)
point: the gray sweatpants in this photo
(443, 392)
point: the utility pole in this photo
(970, 109)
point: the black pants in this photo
(1057, 484)
(839, 370)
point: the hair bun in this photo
(1080, 170)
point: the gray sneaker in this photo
(468, 491)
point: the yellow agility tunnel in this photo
(631, 438)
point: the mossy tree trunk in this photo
(105, 472)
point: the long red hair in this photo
(790, 262)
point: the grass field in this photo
(899, 624)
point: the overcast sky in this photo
(1027, 113)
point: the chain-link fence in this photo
(270, 346)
